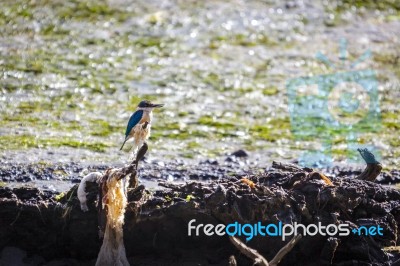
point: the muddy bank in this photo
(208, 169)
(63, 176)
(52, 225)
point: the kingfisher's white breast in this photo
(140, 134)
(147, 116)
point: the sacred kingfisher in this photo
(139, 124)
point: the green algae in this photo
(101, 77)
(217, 123)
(270, 91)
(103, 128)
(369, 4)
(10, 142)
(242, 40)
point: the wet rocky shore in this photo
(236, 164)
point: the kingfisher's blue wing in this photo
(135, 118)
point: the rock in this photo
(392, 177)
(230, 159)
(76, 180)
(240, 154)
(210, 161)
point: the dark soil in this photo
(156, 223)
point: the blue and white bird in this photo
(139, 124)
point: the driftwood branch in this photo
(373, 168)
(133, 179)
(249, 252)
(232, 261)
(258, 258)
(285, 250)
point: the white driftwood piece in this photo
(92, 177)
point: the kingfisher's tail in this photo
(123, 144)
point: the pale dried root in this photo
(258, 258)
(92, 177)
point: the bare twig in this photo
(249, 252)
(258, 258)
(133, 180)
(285, 250)
(232, 261)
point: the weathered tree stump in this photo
(113, 186)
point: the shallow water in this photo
(72, 73)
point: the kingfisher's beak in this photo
(154, 105)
